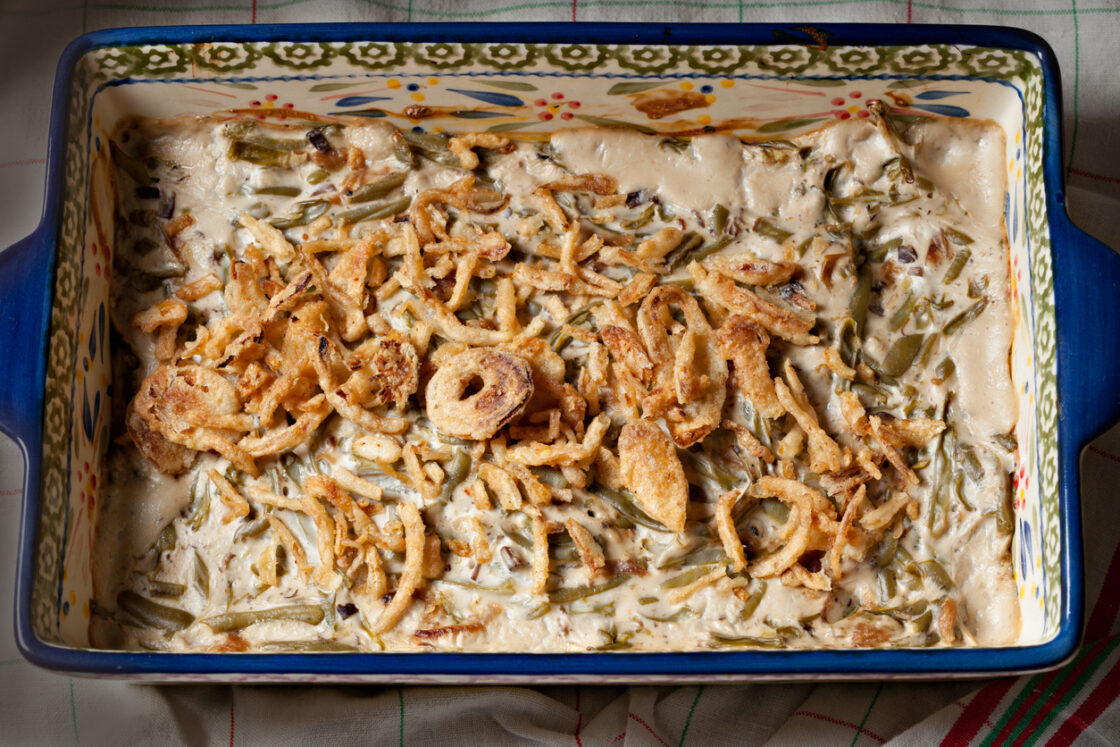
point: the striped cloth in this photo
(1075, 704)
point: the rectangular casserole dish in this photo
(758, 81)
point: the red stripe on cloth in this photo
(1072, 677)
(909, 11)
(25, 162)
(254, 18)
(574, 9)
(1091, 708)
(1105, 454)
(649, 728)
(619, 738)
(854, 727)
(977, 711)
(579, 721)
(1098, 177)
(231, 717)
(16, 491)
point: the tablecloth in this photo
(1079, 703)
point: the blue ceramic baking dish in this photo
(54, 284)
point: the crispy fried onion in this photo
(414, 543)
(462, 147)
(653, 472)
(196, 407)
(785, 323)
(690, 374)
(429, 222)
(477, 392)
(811, 526)
(728, 534)
(751, 270)
(824, 454)
(744, 343)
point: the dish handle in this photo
(1087, 286)
(25, 270)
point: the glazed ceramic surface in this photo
(756, 82)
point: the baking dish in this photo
(760, 81)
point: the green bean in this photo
(165, 589)
(550, 476)
(648, 600)
(888, 583)
(251, 528)
(923, 621)
(166, 539)
(519, 538)
(927, 348)
(153, 615)
(945, 368)
(246, 132)
(503, 588)
(317, 176)
(902, 314)
(977, 286)
(719, 641)
(973, 467)
(936, 573)
(687, 577)
(682, 614)
(708, 469)
(1005, 513)
(129, 165)
(957, 488)
(539, 611)
(960, 259)
(689, 243)
(676, 144)
(280, 190)
(559, 339)
(705, 553)
(720, 214)
(1007, 441)
(302, 214)
(888, 550)
(957, 237)
(431, 146)
(201, 575)
(641, 220)
(377, 188)
(304, 647)
(966, 316)
(766, 228)
(457, 471)
(200, 501)
(861, 298)
(710, 249)
(775, 509)
(375, 211)
(623, 502)
(258, 155)
(803, 247)
(900, 356)
(615, 641)
(593, 609)
(880, 251)
(664, 213)
(312, 614)
(751, 605)
(571, 594)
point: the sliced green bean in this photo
(689, 243)
(560, 339)
(902, 314)
(153, 615)
(623, 502)
(720, 214)
(539, 611)
(259, 155)
(251, 528)
(503, 588)
(927, 348)
(457, 471)
(165, 589)
(682, 614)
(317, 176)
(973, 467)
(861, 298)
(751, 605)
(957, 237)
(936, 573)
(960, 259)
(888, 583)
(166, 539)
(706, 468)
(705, 553)
(719, 641)
(375, 211)
(550, 476)
(312, 614)
(377, 188)
(431, 146)
(966, 316)
(641, 220)
(571, 594)
(768, 229)
(200, 501)
(709, 249)
(900, 356)
(775, 509)
(304, 647)
(302, 214)
(279, 190)
(246, 132)
(1007, 440)
(945, 368)
(686, 577)
(201, 575)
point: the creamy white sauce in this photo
(959, 161)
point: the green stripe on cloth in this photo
(400, 696)
(692, 710)
(1076, 85)
(859, 729)
(1056, 708)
